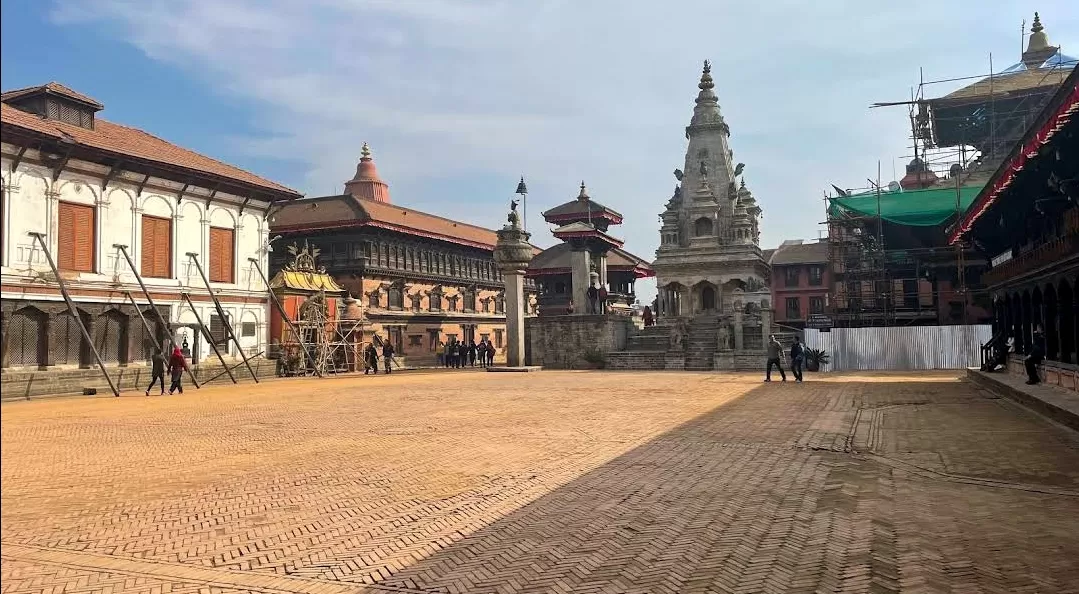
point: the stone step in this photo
(637, 360)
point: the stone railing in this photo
(1041, 256)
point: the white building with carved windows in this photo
(88, 185)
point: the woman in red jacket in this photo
(177, 365)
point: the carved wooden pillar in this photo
(45, 340)
(5, 321)
(85, 354)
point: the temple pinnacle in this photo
(1037, 26)
(706, 77)
(365, 152)
(584, 193)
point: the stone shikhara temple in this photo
(713, 307)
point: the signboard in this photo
(819, 322)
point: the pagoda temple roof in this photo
(583, 230)
(299, 280)
(557, 260)
(582, 208)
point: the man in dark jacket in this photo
(387, 355)
(797, 356)
(593, 295)
(775, 352)
(1035, 357)
(157, 370)
(370, 357)
(472, 353)
(490, 354)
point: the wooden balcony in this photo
(1040, 257)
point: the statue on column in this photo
(514, 218)
(723, 338)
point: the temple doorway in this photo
(708, 298)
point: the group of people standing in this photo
(459, 354)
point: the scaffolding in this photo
(886, 274)
(321, 345)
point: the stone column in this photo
(512, 254)
(739, 341)
(766, 326)
(579, 279)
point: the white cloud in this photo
(445, 90)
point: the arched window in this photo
(702, 227)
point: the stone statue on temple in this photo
(678, 175)
(704, 169)
(723, 338)
(513, 217)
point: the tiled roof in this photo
(1003, 85)
(557, 259)
(330, 212)
(805, 253)
(52, 87)
(133, 142)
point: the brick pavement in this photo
(545, 482)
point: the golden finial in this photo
(1037, 26)
(365, 152)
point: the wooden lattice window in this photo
(76, 237)
(222, 256)
(156, 247)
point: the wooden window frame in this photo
(153, 272)
(63, 260)
(214, 275)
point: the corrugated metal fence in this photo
(901, 348)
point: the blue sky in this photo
(459, 97)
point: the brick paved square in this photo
(542, 482)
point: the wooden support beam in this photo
(59, 168)
(183, 190)
(142, 184)
(210, 198)
(18, 159)
(244, 204)
(111, 175)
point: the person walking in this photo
(177, 365)
(370, 358)
(472, 353)
(797, 357)
(1035, 357)
(157, 370)
(387, 356)
(490, 354)
(648, 321)
(775, 351)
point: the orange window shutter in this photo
(221, 255)
(65, 250)
(228, 263)
(75, 243)
(146, 259)
(163, 248)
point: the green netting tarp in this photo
(919, 208)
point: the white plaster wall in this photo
(31, 203)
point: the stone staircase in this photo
(647, 349)
(701, 344)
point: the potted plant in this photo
(815, 358)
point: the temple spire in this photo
(584, 193)
(366, 183)
(1038, 48)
